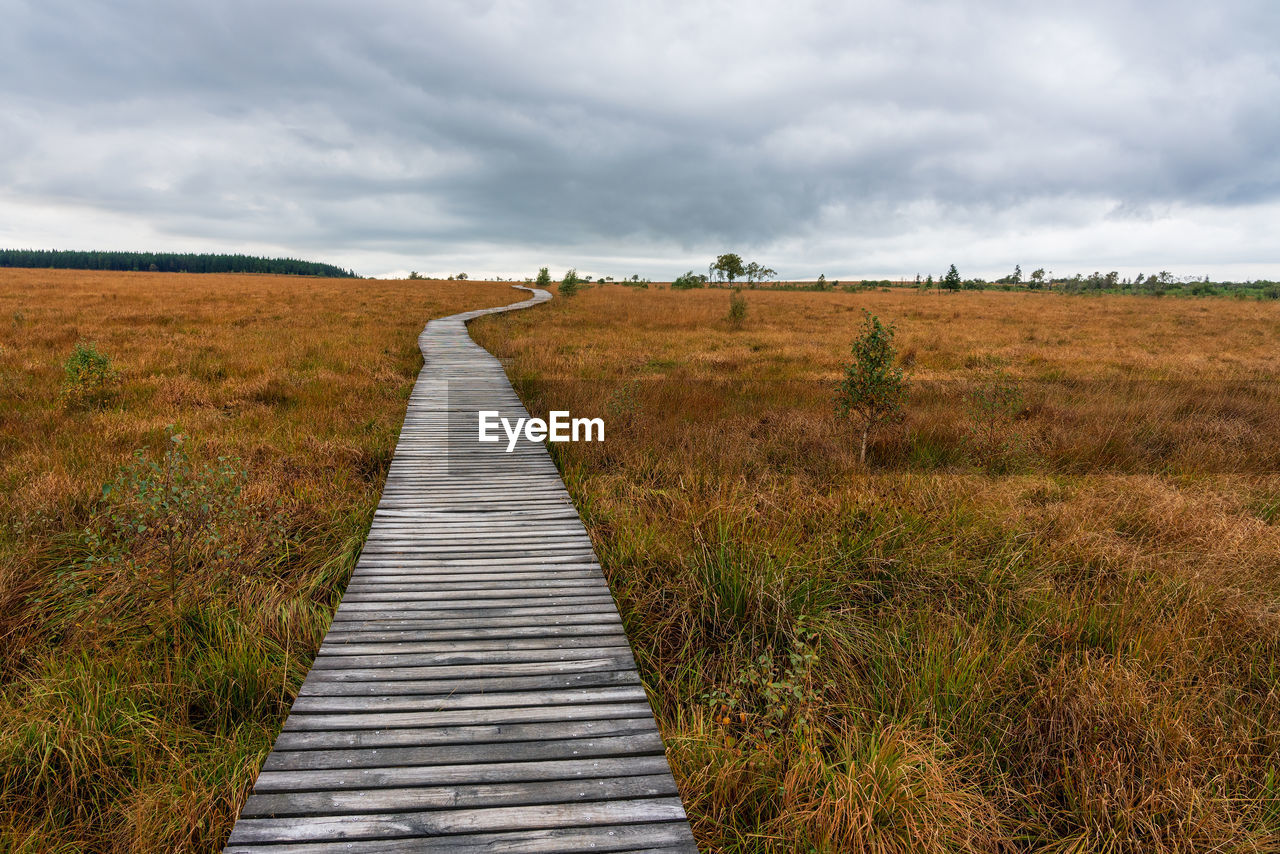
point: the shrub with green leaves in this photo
(90, 381)
(162, 521)
(544, 278)
(873, 391)
(570, 284)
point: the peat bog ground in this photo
(1043, 617)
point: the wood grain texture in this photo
(476, 691)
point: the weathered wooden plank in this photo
(491, 609)
(541, 740)
(633, 838)
(429, 593)
(541, 681)
(618, 661)
(458, 796)
(557, 617)
(595, 641)
(439, 822)
(519, 714)
(438, 703)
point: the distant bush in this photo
(688, 281)
(90, 381)
(544, 277)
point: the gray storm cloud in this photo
(869, 138)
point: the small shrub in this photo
(737, 309)
(874, 389)
(570, 284)
(90, 381)
(544, 278)
(163, 522)
(772, 695)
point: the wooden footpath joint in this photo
(475, 691)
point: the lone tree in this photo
(544, 277)
(951, 281)
(873, 390)
(729, 266)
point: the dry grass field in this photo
(1051, 624)
(152, 635)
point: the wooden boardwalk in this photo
(475, 691)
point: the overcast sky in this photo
(852, 139)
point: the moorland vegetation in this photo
(1040, 616)
(188, 468)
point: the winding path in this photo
(475, 691)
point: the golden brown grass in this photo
(133, 720)
(1058, 634)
